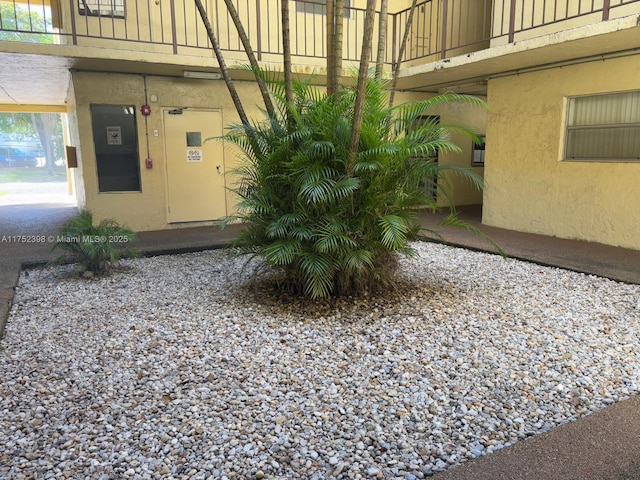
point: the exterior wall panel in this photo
(146, 210)
(529, 187)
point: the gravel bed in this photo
(175, 368)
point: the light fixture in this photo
(202, 75)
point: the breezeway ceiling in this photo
(28, 79)
(33, 79)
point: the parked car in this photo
(14, 157)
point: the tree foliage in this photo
(331, 182)
(19, 21)
(43, 127)
(96, 247)
(332, 223)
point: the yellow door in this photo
(195, 168)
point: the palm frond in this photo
(394, 231)
(335, 227)
(318, 271)
(452, 220)
(282, 252)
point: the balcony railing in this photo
(516, 16)
(440, 29)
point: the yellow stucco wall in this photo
(473, 118)
(529, 187)
(146, 210)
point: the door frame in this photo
(167, 109)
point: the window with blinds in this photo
(603, 127)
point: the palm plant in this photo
(95, 247)
(334, 225)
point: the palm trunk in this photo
(250, 55)
(358, 109)
(286, 52)
(223, 65)
(335, 16)
(331, 24)
(382, 37)
(337, 50)
(403, 46)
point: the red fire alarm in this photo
(145, 110)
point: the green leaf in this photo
(282, 252)
(335, 226)
(394, 232)
(317, 269)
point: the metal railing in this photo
(440, 29)
(516, 16)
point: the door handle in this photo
(218, 169)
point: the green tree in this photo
(17, 125)
(46, 127)
(335, 225)
(332, 181)
(22, 24)
(44, 124)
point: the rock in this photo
(176, 359)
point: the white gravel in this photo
(175, 369)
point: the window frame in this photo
(85, 7)
(319, 7)
(478, 147)
(567, 128)
(130, 148)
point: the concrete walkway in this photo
(29, 213)
(602, 446)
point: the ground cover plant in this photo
(95, 247)
(332, 222)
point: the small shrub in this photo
(333, 225)
(96, 247)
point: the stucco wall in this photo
(473, 118)
(529, 187)
(74, 141)
(146, 210)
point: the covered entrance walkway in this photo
(28, 213)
